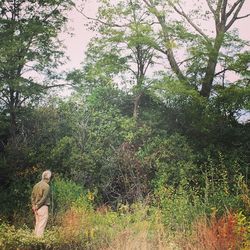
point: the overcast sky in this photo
(77, 44)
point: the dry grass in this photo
(140, 237)
(103, 231)
(143, 235)
(74, 225)
(224, 233)
(133, 229)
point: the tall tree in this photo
(29, 47)
(124, 44)
(194, 23)
(196, 39)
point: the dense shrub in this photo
(66, 193)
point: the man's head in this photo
(46, 175)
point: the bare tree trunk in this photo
(137, 101)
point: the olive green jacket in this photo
(40, 194)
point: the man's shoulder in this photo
(41, 184)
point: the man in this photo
(40, 201)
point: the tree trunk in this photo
(137, 101)
(207, 81)
(12, 110)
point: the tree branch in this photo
(147, 3)
(241, 17)
(233, 7)
(147, 64)
(223, 13)
(3, 100)
(222, 71)
(186, 60)
(55, 86)
(5, 94)
(210, 7)
(24, 99)
(134, 73)
(169, 52)
(235, 16)
(183, 14)
(101, 21)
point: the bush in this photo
(65, 193)
(179, 207)
(23, 238)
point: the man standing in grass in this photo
(40, 201)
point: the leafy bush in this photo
(169, 156)
(65, 193)
(179, 207)
(23, 238)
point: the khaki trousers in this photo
(41, 216)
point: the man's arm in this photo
(32, 198)
(33, 201)
(44, 197)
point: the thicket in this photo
(142, 157)
(104, 163)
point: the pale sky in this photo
(77, 44)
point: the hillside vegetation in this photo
(151, 150)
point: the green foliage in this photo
(67, 193)
(13, 238)
(28, 46)
(179, 207)
(171, 157)
(15, 194)
(221, 186)
(128, 133)
(215, 191)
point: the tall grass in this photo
(133, 227)
(173, 219)
(230, 231)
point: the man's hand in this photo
(34, 208)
